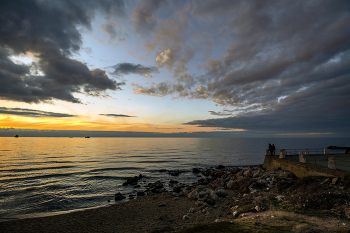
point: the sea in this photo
(41, 176)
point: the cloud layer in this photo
(130, 68)
(49, 32)
(282, 63)
(116, 115)
(32, 112)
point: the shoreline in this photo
(224, 195)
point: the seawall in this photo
(301, 169)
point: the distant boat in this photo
(16, 136)
(87, 136)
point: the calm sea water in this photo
(44, 176)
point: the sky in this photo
(196, 68)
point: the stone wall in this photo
(301, 169)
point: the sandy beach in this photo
(253, 197)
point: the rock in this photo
(132, 180)
(256, 174)
(221, 193)
(219, 182)
(193, 195)
(156, 185)
(220, 167)
(198, 203)
(206, 210)
(177, 188)
(280, 198)
(209, 200)
(140, 194)
(231, 184)
(214, 196)
(185, 217)
(173, 182)
(162, 170)
(137, 186)
(248, 173)
(202, 194)
(235, 213)
(174, 173)
(218, 220)
(257, 208)
(162, 204)
(203, 181)
(240, 173)
(192, 210)
(196, 170)
(335, 180)
(118, 197)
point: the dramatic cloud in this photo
(31, 112)
(129, 68)
(278, 60)
(114, 31)
(50, 32)
(116, 115)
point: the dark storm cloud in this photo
(31, 112)
(50, 32)
(116, 115)
(130, 68)
(286, 64)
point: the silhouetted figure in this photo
(270, 148)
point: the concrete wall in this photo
(301, 169)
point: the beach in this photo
(252, 197)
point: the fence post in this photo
(267, 152)
(331, 162)
(301, 157)
(307, 151)
(282, 155)
(326, 151)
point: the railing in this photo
(319, 157)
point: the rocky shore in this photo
(252, 198)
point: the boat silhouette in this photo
(87, 136)
(16, 136)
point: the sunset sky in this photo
(175, 68)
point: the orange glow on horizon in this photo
(44, 123)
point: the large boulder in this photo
(156, 185)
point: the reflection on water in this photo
(45, 175)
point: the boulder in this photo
(231, 184)
(220, 167)
(219, 182)
(156, 185)
(118, 197)
(174, 173)
(177, 188)
(214, 196)
(193, 195)
(221, 193)
(196, 170)
(132, 180)
(140, 194)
